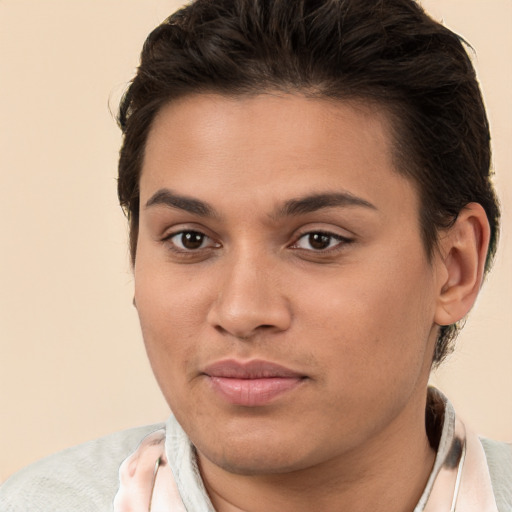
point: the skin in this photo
(357, 319)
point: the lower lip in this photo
(253, 392)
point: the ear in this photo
(463, 250)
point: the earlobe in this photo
(463, 249)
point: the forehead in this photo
(271, 146)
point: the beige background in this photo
(72, 364)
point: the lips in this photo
(253, 383)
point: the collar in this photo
(162, 474)
(460, 477)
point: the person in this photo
(311, 215)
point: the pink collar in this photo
(460, 480)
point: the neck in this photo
(387, 474)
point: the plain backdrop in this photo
(72, 363)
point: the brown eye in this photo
(190, 240)
(318, 241)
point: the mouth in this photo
(253, 383)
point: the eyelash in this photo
(342, 241)
(191, 233)
(183, 250)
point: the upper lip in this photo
(254, 369)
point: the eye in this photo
(320, 241)
(186, 241)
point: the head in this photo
(310, 208)
(384, 53)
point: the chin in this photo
(252, 462)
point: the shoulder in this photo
(83, 478)
(499, 461)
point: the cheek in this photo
(376, 320)
(170, 311)
(168, 297)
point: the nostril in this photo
(244, 336)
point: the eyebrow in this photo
(315, 202)
(292, 207)
(166, 197)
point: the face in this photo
(285, 297)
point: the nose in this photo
(250, 299)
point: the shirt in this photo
(86, 478)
